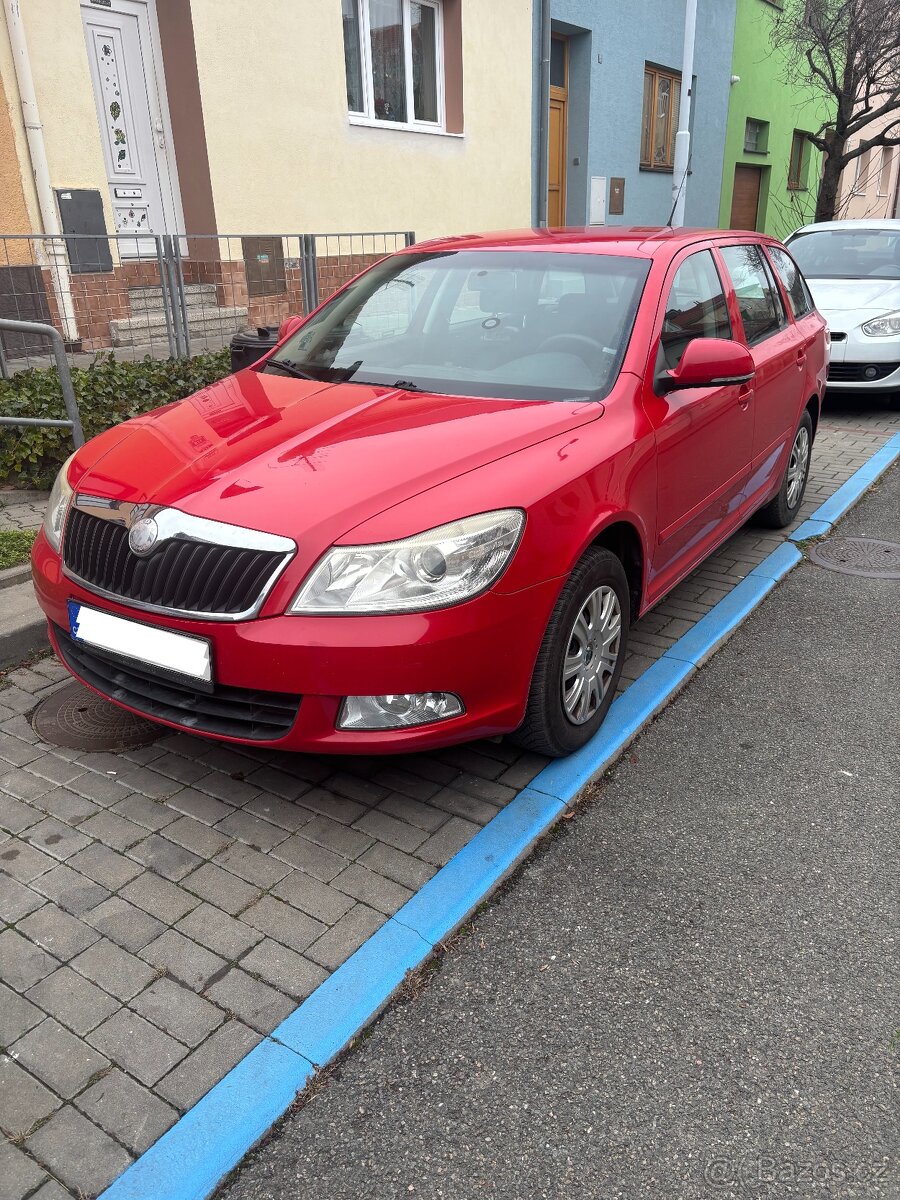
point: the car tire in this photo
(581, 629)
(785, 505)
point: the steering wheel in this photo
(572, 343)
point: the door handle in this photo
(745, 395)
(801, 358)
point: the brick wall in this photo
(99, 297)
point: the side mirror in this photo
(707, 362)
(288, 326)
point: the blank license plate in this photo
(161, 648)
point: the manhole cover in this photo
(858, 556)
(78, 719)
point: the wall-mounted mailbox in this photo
(616, 196)
(81, 212)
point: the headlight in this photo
(58, 506)
(886, 326)
(432, 570)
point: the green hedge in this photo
(108, 391)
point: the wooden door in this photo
(559, 98)
(745, 197)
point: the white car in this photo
(853, 271)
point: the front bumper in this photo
(854, 356)
(483, 650)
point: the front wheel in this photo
(580, 659)
(783, 507)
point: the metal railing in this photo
(36, 329)
(166, 295)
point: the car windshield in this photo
(848, 253)
(530, 325)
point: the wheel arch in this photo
(814, 408)
(622, 537)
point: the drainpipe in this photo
(683, 136)
(34, 132)
(544, 121)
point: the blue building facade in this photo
(615, 80)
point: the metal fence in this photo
(167, 295)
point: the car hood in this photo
(868, 297)
(305, 459)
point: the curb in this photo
(22, 496)
(10, 576)
(823, 519)
(192, 1158)
(23, 627)
(21, 643)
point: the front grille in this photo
(180, 573)
(847, 372)
(229, 711)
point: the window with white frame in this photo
(393, 56)
(861, 182)
(884, 175)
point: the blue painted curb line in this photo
(810, 529)
(213, 1136)
(192, 1158)
(565, 777)
(848, 493)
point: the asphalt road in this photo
(691, 989)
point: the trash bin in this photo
(248, 345)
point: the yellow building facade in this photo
(245, 109)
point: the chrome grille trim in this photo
(174, 525)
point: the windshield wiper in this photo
(406, 385)
(290, 368)
(329, 375)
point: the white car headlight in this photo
(435, 569)
(58, 506)
(886, 326)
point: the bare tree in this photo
(848, 51)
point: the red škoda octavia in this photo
(434, 510)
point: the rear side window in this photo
(794, 283)
(757, 297)
(696, 307)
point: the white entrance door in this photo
(132, 111)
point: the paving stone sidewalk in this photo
(22, 510)
(164, 909)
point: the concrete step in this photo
(151, 326)
(148, 299)
(10, 576)
(23, 627)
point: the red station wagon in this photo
(433, 511)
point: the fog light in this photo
(870, 372)
(398, 712)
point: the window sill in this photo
(797, 188)
(400, 127)
(758, 153)
(657, 170)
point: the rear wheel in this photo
(580, 659)
(782, 509)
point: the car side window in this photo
(761, 309)
(794, 283)
(696, 307)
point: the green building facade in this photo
(771, 172)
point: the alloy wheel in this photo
(591, 655)
(797, 467)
